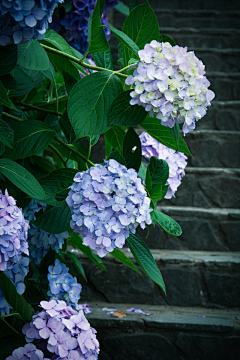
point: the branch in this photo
(12, 116)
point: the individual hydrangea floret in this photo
(63, 286)
(107, 201)
(176, 161)
(170, 83)
(27, 352)
(13, 231)
(39, 240)
(62, 331)
(23, 20)
(16, 272)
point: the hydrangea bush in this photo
(56, 200)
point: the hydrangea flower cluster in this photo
(63, 286)
(170, 82)
(62, 331)
(16, 272)
(13, 232)
(107, 201)
(23, 20)
(28, 352)
(75, 22)
(39, 240)
(176, 161)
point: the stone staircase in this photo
(199, 319)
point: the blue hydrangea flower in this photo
(13, 232)
(39, 240)
(16, 272)
(63, 286)
(106, 202)
(176, 161)
(27, 352)
(63, 331)
(23, 20)
(170, 83)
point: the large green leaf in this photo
(145, 259)
(120, 256)
(124, 114)
(97, 42)
(115, 155)
(132, 151)
(14, 299)
(89, 103)
(126, 41)
(24, 83)
(163, 134)
(6, 134)
(66, 127)
(166, 38)
(142, 27)
(159, 170)
(54, 220)
(8, 58)
(22, 178)
(104, 59)
(167, 223)
(8, 82)
(32, 56)
(4, 99)
(77, 264)
(31, 136)
(115, 136)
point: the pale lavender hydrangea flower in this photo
(170, 83)
(176, 161)
(62, 331)
(107, 201)
(13, 231)
(27, 352)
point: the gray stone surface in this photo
(188, 276)
(219, 59)
(225, 88)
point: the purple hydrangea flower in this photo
(176, 161)
(62, 331)
(13, 231)
(23, 20)
(39, 240)
(28, 352)
(63, 286)
(16, 272)
(170, 83)
(107, 201)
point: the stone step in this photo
(192, 278)
(224, 60)
(225, 85)
(203, 37)
(168, 333)
(208, 187)
(221, 115)
(214, 148)
(202, 229)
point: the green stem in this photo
(12, 116)
(32, 107)
(80, 62)
(71, 148)
(58, 154)
(123, 69)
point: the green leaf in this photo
(142, 27)
(32, 294)
(175, 131)
(67, 128)
(4, 99)
(77, 241)
(70, 81)
(47, 260)
(8, 58)
(97, 42)
(124, 114)
(159, 170)
(163, 134)
(132, 151)
(15, 300)
(142, 171)
(166, 38)
(36, 77)
(8, 82)
(54, 220)
(126, 42)
(89, 103)
(118, 157)
(145, 259)
(156, 193)
(6, 134)
(31, 137)
(122, 8)
(32, 56)
(22, 178)
(167, 223)
(120, 256)
(104, 59)
(115, 136)
(148, 181)
(43, 163)
(9, 343)
(77, 264)
(24, 83)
